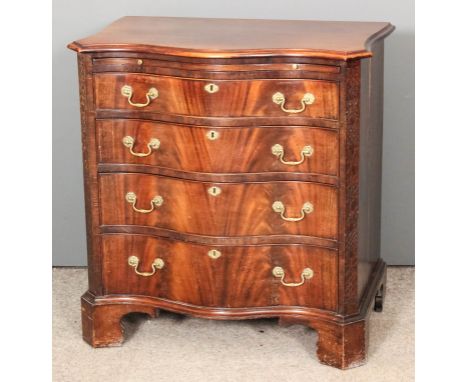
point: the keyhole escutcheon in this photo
(211, 88)
(212, 135)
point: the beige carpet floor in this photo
(176, 348)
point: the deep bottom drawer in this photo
(220, 276)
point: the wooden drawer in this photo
(233, 98)
(137, 65)
(236, 210)
(233, 277)
(218, 150)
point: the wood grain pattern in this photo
(240, 277)
(349, 188)
(219, 177)
(340, 341)
(240, 209)
(89, 153)
(290, 120)
(221, 240)
(135, 65)
(342, 346)
(229, 38)
(370, 180)
(234, 98)
(236, 150)
(101, 324)
(321, 291)
(338, 240)
(246, 69)
(181, 61)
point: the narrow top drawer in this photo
(218, 98)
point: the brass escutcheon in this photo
(214, 191)
(211, 88)
(214, 254)
(212, 135)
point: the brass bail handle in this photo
(306, 274)
(131, 198)
(280, 99)
(127, 91)
(279, 208)
(158, 263)
(278, 151)
(129, 142)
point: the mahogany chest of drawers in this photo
(232, 171)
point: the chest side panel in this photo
(370, 178)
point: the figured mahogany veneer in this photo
(233, 150)
(240, 277)
(229, 38)
(237, 98)
(241, 209)
(195, 70)
(186, 150)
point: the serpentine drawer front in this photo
(308, 150)
(220, 276)
(229, 177)
(226, 98)
(219, 209)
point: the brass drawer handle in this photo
(280, 99)
(127, 91)
(278, 151)
(153, 144)
(158, 263)
(131, 198)
(306, 274)
(278, 207)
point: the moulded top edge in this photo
(236, 38)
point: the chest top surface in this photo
(225, 38)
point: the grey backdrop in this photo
(79, 18)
